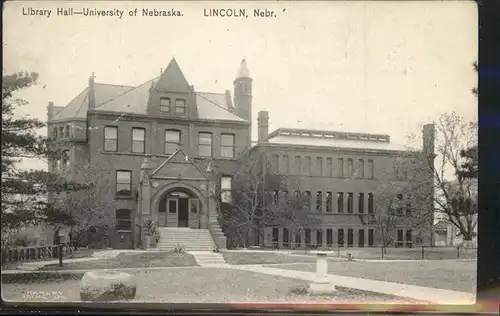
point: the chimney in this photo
(91, 92)
(428, 137)
(263, 126)
(50, 111)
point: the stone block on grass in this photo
(107, 286)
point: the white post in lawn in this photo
(321, 285)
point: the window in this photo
(205, 144)
(123, 182)
(172, 141)
(399, 238)
(138, 140)
(165, 104)
(370, 169)
(319, 237)
(361, 238)
(408, 238)
(329, 237)
(297, 164)
(227, 145)
(319, 201)
(349, 202)
(361, 203)
(361, 168)
(286, 235)
(349, 167)
(329, 205)
(370, 237)
(123, 220)
(350, 237)
(370, 203)
(225, 187)
(340, 237)
(275, 163)
(180, 106)
(111, 138)
(408, 209)
(307, 166)
(194, 204)
(66, 131)
(340, 202)
(341, 167)
(308, 200)
(308, 237)
(65, 158)
(285, 165)
(328, 167)
(319, 166)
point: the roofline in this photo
(335, 134)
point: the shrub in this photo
(179, 248)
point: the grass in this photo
(450, 275)
(130, 260)
(202, 285)
(263, 258)
(80, 253)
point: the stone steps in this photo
(190, 239)
(204, 258)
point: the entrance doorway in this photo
(179, 209)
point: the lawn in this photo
(446, 274)
(201, 285)
(236, 257)
(130, 260)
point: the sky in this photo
(375, 67)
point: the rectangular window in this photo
(180, 106)
(319, 201)
(308, 237)
(66, 131)
(349, 167)
(172, 206)
(123, 220)
(61, 132)
(340, 237)
(329, 164)
(285, 165)
(123, 182)
(361, 237)
(275, 164)
(164, 104)
(408, 238)
(350, 237)
(399, 238)
(361, 203)
(227, 145)
(319, 237)
(319, 166)
(138, 140)
(361, 168)
(340, 166)
(172, 141)
(205, 144)
(307, 166)
(349, 202)
(307, 200)
(225, 187)
(329, 237)
(297, 165)
(370, 203)
(298, 239)
(329, 204)
(286, 235)
(370, 237)
(370, 169)
(194, 205)
(340, 202)
(111, 138)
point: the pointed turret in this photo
(243, 71)
(172, 79)
(243, 92)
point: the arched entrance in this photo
(179, 207)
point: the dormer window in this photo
(165, 104)
(180, 106)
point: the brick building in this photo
(171, 148)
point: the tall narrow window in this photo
(340, 167)
(319, 201)
(205, 144)
(172, 141)
(409, 239)
(165, 104)
(308, 237)
(340, 237)
(275, 163)
(54, 133)
(61, 132)
(319, 166)
(225, 187)
(286, 236)
(180, 106)
(370, 203)
(66, 131)
(297, 165)
(328, 171)
(329, 237)
(370, 237)
(307, 198)
(349, 167)
(285, 165)
(350, 237)
(361, 237)
(227, 145)
(307, 166)
(370, 169)
(124, 182)
(111, 138)
(349, 202)
(361, 203)
(319, 237)
(329, 205)
(361, 168)
(340, 202)
(123, 220)
(138, 140)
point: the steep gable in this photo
(178, 165)
(172, 79)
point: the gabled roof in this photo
(172, 79)
(78, 107)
